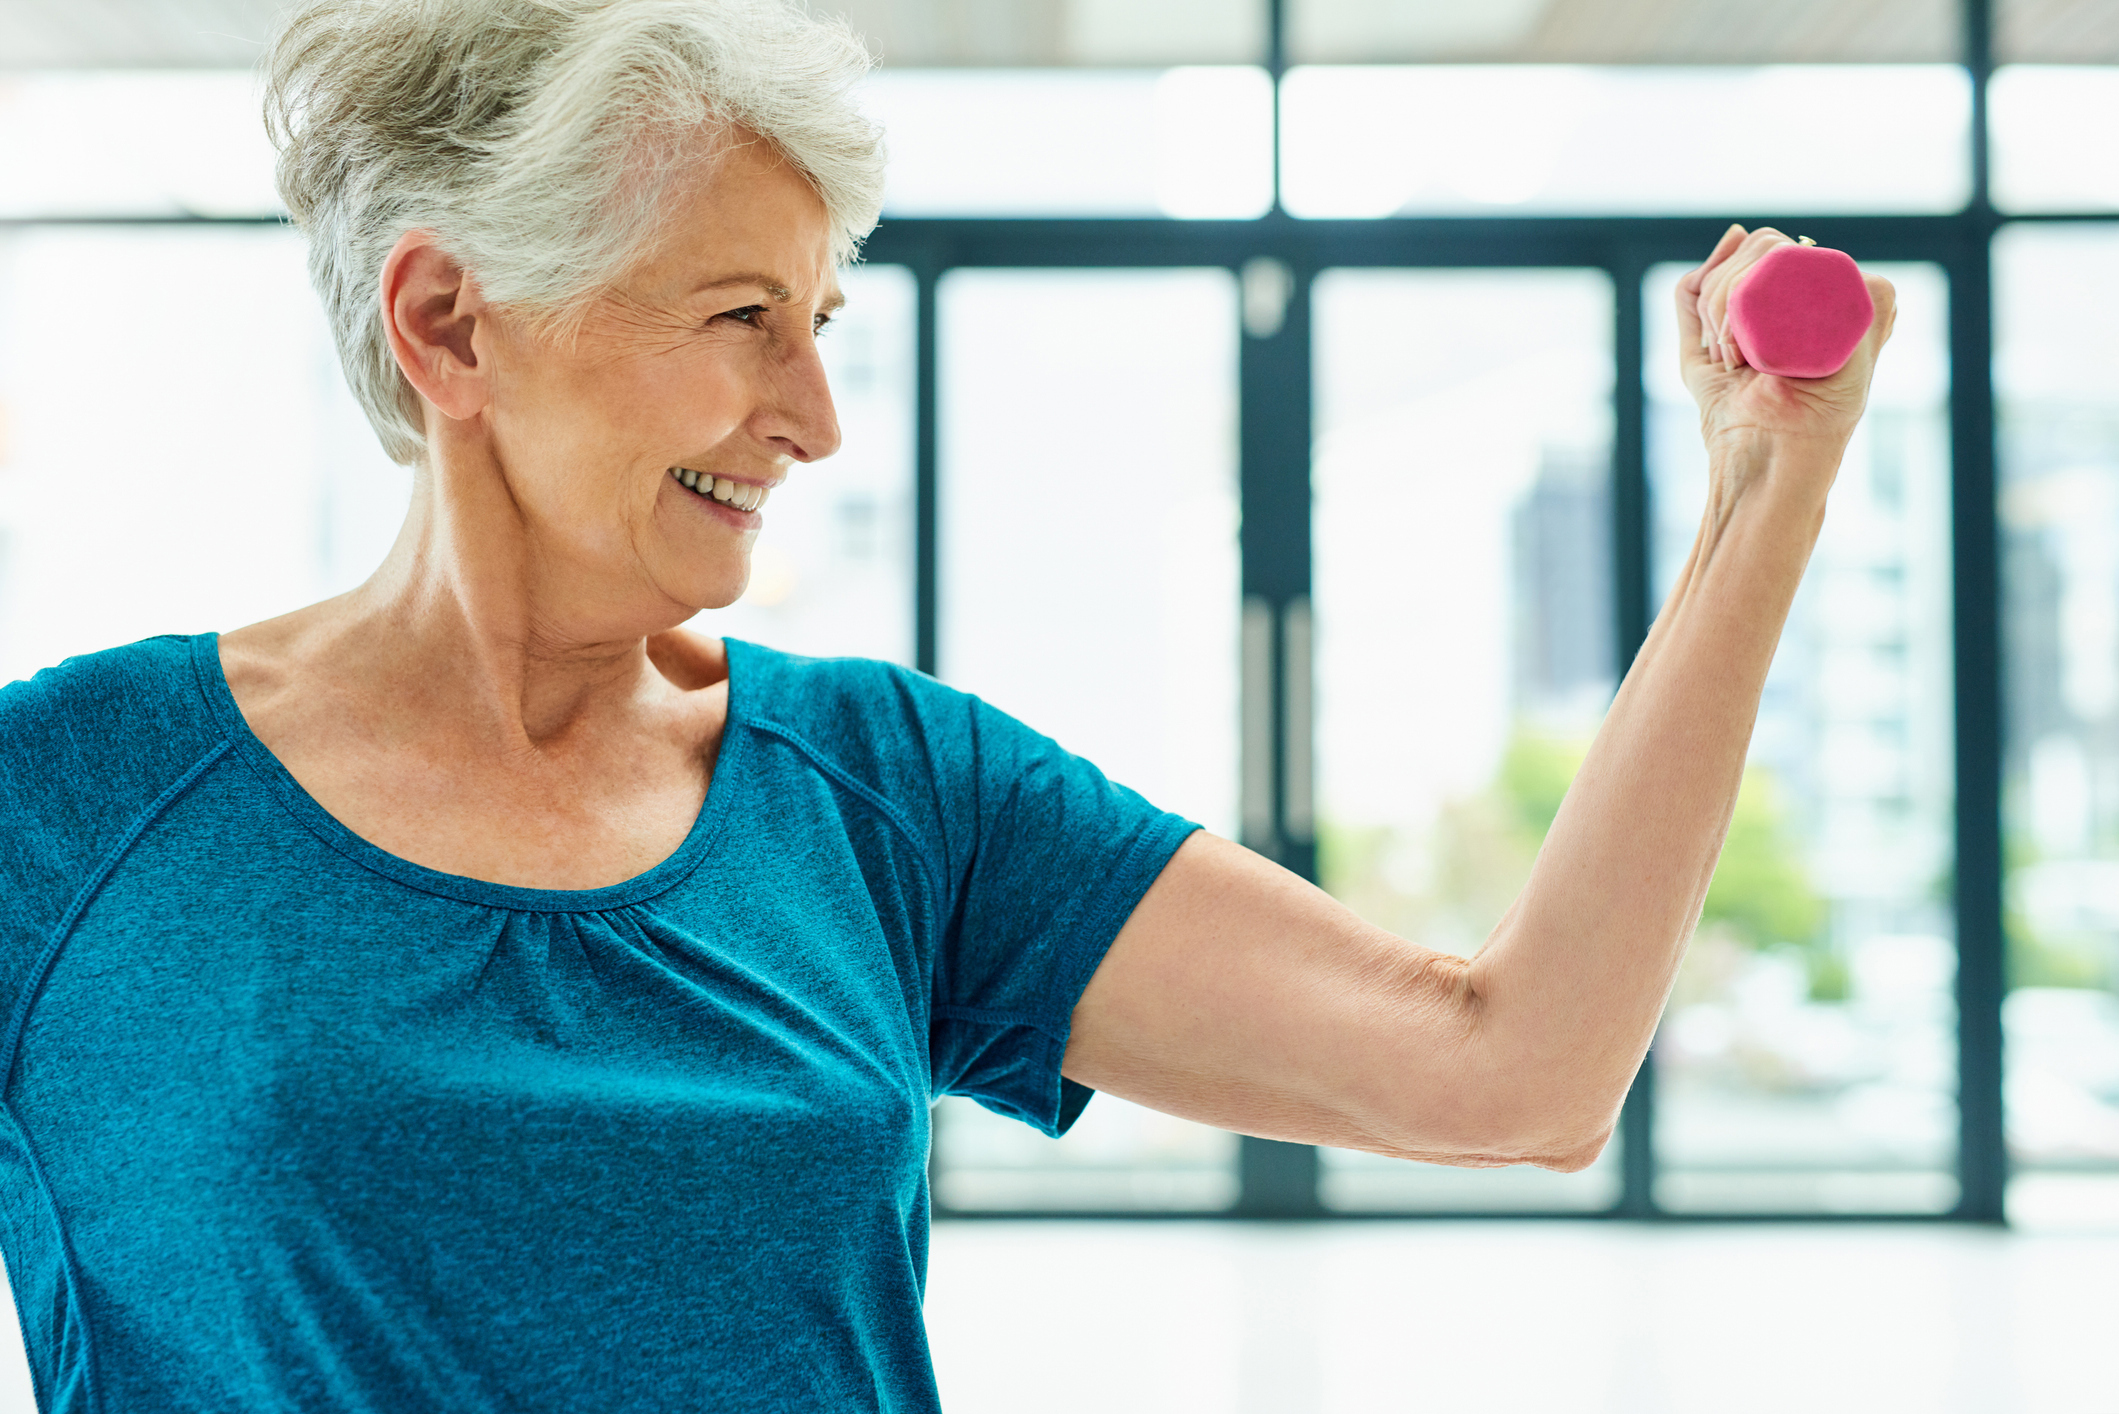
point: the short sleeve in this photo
(1047, 859)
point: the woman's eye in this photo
(822, 323)
(749, 314)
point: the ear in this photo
(431, 312)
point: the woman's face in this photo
(700, 371)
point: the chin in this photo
(710, 592)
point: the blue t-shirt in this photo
(293, 1124)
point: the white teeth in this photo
(739, 494)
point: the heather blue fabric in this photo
(292, 1124)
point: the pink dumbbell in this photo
(1801, 311)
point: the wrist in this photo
(1790, 471)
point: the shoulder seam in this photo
(33, 985)
(874, 799)
(10, 1046)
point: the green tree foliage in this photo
(2038, 958)
(1480, 851)
(1761, 896)
(1761, 891)
(1534, 777)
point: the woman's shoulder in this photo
(886, 725)
(115, 683)
(88, 733)
(86, 747)
(859, 703)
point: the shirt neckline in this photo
(697, 844)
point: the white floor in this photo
(1499, 1318)
(1197, 1318)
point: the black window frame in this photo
(1277, 1180)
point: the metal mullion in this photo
(1633, 608)
(926, 471)
(1274, 380)
(1975, 546)
(1498, 242)
(1276, 70)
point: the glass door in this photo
(1807, 1062)
(1465, 624)
(1089, 587)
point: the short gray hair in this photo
(538, 139)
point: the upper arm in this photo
(1241, 996)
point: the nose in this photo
(799, 416)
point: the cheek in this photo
(692, 403)
(589, 431)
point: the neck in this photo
(475, 615)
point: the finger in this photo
(1884, 295)
(1692, 335)
(1715, 293)
(1723, 249)
(1696, 347)
(1695, 280)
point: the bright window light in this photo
(1378, 141)
(135, 143)
(1190, 142)
(1214, 142)
(2055, 145)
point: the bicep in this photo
(1241, 996)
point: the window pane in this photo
(2057, 380)
(1185, 142)
(1624, 31)
(1464, 622)
(267, 490)
(832, 571)
(997, 33)
(1089, 586)
(1545, 138)
(1808, 1059)
(2054, 145)
(133, 143)
(194, 482)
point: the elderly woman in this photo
(479, 993)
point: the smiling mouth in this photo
(741, 495)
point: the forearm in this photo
(1566, 994)
(1241, 996)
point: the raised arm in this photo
(1243, 997)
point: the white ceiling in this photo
(37, 34)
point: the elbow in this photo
(1562, 1148)
(1557, 1130)
(1544, 1130)
(1483, 1098)
(1572, 1154)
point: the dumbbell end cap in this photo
(1801, 311)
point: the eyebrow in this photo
(771, 284)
